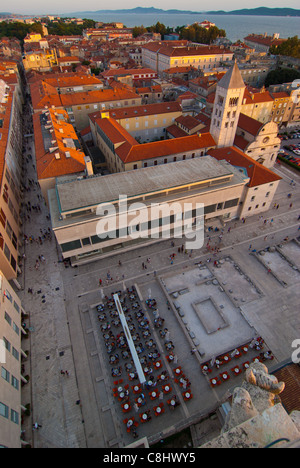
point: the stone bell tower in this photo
(227, 107)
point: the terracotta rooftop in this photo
(128, 150)
(188, 121)
(58, 153)
(258, 174)
(252, 97)
(171, 50)
(104, 95)
(174, 70)
(280, 95)
(43, 94)
(61, 81)
(130, 71)
(264, 40)
(176, 131)
(207, 82)
(249, 124)
(290, 397)
(147, 109)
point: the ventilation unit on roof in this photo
(67, 154)
(57, 156)
(53, 148)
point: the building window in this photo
(15, 382)
(14, 416)
(5, 374)
(6, 344)
(73, 245)
(233, 101)
(16, 328)
(15, 353)
(86, 241)
(7, 318)
(3, 410)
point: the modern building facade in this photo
(10, 363)
(218, 185)
(11, 178)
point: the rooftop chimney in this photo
(88, 166)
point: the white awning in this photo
(129, 339)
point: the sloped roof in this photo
(290, 397)
(147, 109)
(71, 160)
(174, 146)
(258, 174)
(128, 150)
(249, 124)
(232, 79)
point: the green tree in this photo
(281, 75)
(290, 47)
(196, 33)
(138, 31)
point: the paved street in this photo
(79, 410)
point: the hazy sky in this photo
(57, 6)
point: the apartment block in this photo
(147, 122)
(10, 362)
(160, 56)
(11, 178)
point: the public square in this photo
(214, 303)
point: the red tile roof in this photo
(252, 97)
(173, 146)
(264, 40)
(249, 124)
(128, 150)
(290, 397)
(176, 131)
(71, 160)
(258, 174)
(147, 109)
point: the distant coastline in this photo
(262, 11)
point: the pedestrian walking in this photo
(36, 426)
